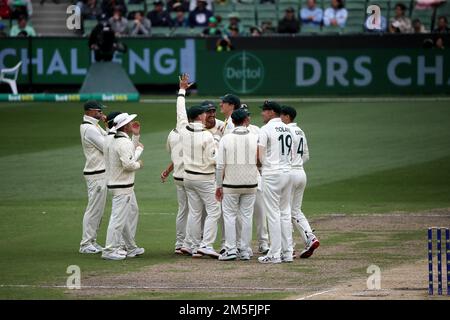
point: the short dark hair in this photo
(340, 4)
(401, 6)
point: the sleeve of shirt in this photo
(220, 164)
(303, 14)
(328, 15)
(135, 140)
(210, 147)
(305, 156)
(262, 138)
(127, 156)
(96, 138)
(341, 17)
(318, 15)
(182, 119)
(168, 149)
(138, 152)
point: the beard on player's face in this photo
(210, 119)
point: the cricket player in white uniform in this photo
(174, 147)
(92, 141)
(121, 165)
(300, 154)
(199, 152)
(275, 143)
(237, 180)
(212, 124)
(139, 148)
(260, 219)
(229, 103)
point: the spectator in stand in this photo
(224, 44)
(255, 31)
(2, 31)
(158, 16)
(267, 27)
(118, 23)
(20, 8)
(418, 27)
(336, 15)
(180, 20)
(233, 31)
(442, 26)
(141, 26)
(311, 15)
(289, 23)
(22, 28)
(109, 5)
(91, 11)
(440, 43)
(212, 29)
(199, 17)
(5, 10)
(400, 23)
(194, 4)
(173, 4)
(233, 21)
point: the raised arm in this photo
(182, 119)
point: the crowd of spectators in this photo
(16, 13)
(200, 14)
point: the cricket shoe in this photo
(90, 249)
(113, 256)
(227, 256)
(186, 251)
(263, 249)
(267, 259)
(312, 245)
(196, 254)
(208, 251)
(136, 252)
(99, 247)
(244, 256)
(178, 251)
(287, 258)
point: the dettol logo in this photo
(243, 72)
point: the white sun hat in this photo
(123, 118)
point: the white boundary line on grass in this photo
(315, 294)
(317, 100)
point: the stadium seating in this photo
(253, 13)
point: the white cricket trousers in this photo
(122, 223)
(182, 216)
(201, 194)
(277, 204)
(298, 180)
(262, 234)
(234, 206)
(97, 192)
(260, 220)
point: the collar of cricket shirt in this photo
(197, 126)
(278, 119)
(120, 134)
(240, 130)
(90, 119)
(292, 124)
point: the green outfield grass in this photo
(365, 157)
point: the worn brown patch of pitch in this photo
(396, 242)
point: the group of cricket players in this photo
(226, 173)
